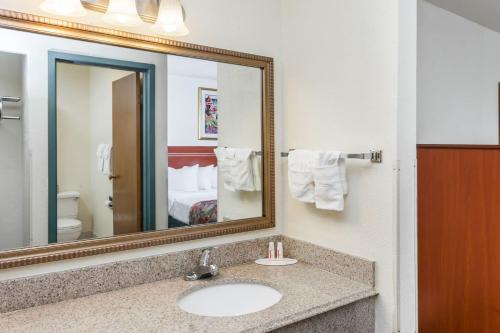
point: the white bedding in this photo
(180, 202)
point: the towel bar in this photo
(258, 153)
(8, 99)
(375, 156)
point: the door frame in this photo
(148, 131)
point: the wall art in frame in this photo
(207, 114)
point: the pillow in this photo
(185, 179)
(213, 179)
(205, 177)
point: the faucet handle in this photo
(205, 255)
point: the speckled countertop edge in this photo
(313, 312)
(307, 291)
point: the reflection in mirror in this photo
(13, 226)
(215, 142)
(99, 141)
(98, 152)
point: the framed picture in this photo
(207, 114)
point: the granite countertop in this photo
(307, 291)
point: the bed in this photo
(192, 208)
(187, 208)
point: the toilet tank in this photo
(67, 204)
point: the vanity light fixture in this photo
(122, 13)
(170, 19)
(72, 8)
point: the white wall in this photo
(340, 62)
(183, 110)
(185, 76)
(12, 178)
(406, 169)
(233, 27)
(458, 79)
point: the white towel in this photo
(330, 181)
(224, 158)
(300, 176)
(100, 157)
(239, 168)
(318, 177)
(242, 170)
(256, 163)
(108, 160)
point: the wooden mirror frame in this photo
(64, 29)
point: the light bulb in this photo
(73, 8)
(170, 19)
(122, 13)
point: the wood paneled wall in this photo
(459, 239)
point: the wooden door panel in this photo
(127, 190)
(459, 240)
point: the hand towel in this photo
(108, 160)
(300, 175)
(330, 181)
(256, 169)
(100, 157)
(239, 168)
(224, 158)
(242, 170)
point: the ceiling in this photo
(483, 12)
(192, 67)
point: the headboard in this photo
(180, 156)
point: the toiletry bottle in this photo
(270, 252)
(279, 251)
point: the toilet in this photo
(69, 228)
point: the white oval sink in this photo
(227, 300)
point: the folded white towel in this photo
(300, 176)
(239, 168)
(330, 181)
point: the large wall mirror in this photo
(112, 141)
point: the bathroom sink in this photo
(227, 300)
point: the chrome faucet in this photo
(204, 270)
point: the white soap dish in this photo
(276, 262)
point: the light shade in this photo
(170, 19)
(122, 13)
(72, 8)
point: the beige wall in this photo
(73, 137)
(240, 126)
(340, 62)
